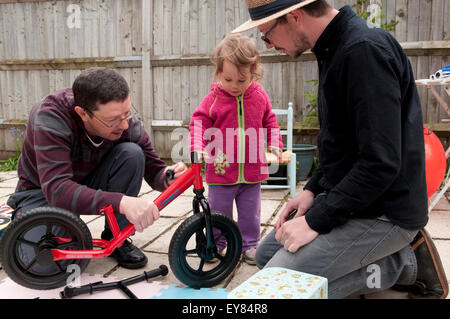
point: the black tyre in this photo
(187, 250)
(25, 247)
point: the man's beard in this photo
(299, 53)
(301, 43)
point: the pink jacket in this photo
(233, 132)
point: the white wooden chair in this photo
(291, 159)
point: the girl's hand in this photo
(277, 153)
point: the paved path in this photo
(155, 240)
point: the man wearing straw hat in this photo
(361, 216)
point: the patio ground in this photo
(155, 240)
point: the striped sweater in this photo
(57, 155)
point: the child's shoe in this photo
(249, 256)
(215, 259)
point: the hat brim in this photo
(250, 24)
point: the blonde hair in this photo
(239, 50)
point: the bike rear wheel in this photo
(188, 256)
(25, 247)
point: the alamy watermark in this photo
(74, 19)
(374, 14)
(233, 141)
(73, 279)
(374, 279)
(78, 16)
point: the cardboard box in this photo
(5, 217)
(281, 283)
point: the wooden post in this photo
(147, 73)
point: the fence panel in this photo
(162, 48)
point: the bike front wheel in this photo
(189, 257)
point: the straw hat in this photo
(263, 11)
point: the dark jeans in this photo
(360, 257)
(121, 171)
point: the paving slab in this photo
(442, 205)
(443, 247)
(269, 208)
(439, 224)
(157, 259)
(155, 240)
(145, 188)
(150, 196)
(3, 275)
(97, 225)
(154, 261)
(275, 194)
(8, 175)
(242, 272)
(161, 243)
(89, 218)
(101, 266)
(10, 183)
(5, 193)
(179, 207)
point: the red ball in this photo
(435, 161)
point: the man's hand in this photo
(139, 212)
(295, 234)
(178, 168)
(302, 202)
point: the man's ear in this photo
(295, 16)
(82, 113)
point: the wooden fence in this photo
(161, 47)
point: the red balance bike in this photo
(59, 239)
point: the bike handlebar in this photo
(70, 292)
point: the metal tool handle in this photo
(292, 214)
(170, 174)
(70, 292)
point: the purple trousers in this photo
(248, 204)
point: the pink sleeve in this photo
(200, 121)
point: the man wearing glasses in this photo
(85, 149)
(366, 205)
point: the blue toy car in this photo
(444, 73)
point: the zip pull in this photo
(240, 107)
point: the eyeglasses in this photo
(114, 123)
(264, 36)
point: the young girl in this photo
(230, 128)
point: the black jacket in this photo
(371, 142)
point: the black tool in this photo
(170, 174)
(292, 214)
(70, 292)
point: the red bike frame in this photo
(192, 176)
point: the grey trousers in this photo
(121, 171)
(360, 257)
